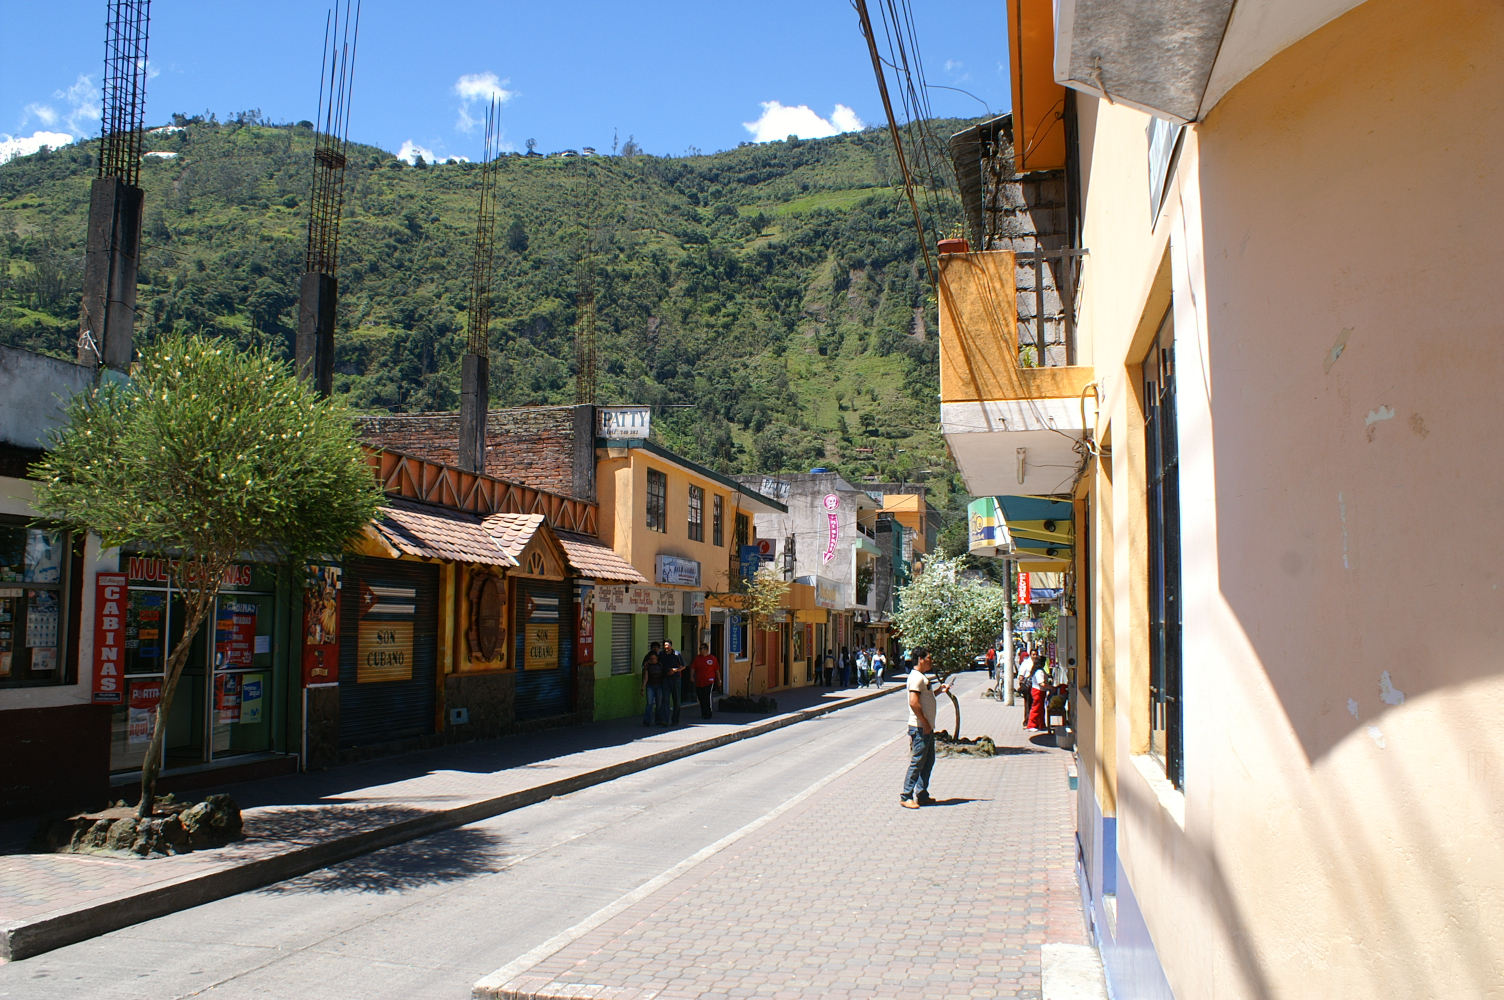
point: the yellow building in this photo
(1248, 372)
(680, 526)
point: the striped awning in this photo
(1043, 530)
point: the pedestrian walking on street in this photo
(1039, 681)
(704, 669)
(991, 663)
(654, 677)
(879, 667)
(835, 668)
(827, 667)
(916, 782)
(674, 685)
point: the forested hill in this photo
(774, 290)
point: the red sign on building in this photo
(110, 592)
(1024, 590)
(321, 626)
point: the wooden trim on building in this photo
(420, 479)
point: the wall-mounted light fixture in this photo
(1021, 464)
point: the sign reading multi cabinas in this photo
(157, 569)
(384, 636)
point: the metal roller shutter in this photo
(621, 643)
(544, 692)
(380, 711)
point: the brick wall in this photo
(545, 447)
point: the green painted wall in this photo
(620, 695)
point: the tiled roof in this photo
(512, 532)
(595, 561)
(432, 532)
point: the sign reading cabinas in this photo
(384, 638)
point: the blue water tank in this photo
(816, 472)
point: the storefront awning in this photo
(594, 561)
(1042, 529)
(430, 532)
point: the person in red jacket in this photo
(705, 668)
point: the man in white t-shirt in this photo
(916, 783)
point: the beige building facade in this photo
(1286, 335)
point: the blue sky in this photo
(673, 74)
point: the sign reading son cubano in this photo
(384, 640)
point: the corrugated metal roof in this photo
(432, 532)
(589, 558)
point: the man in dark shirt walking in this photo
(674, 663)
(654, 674)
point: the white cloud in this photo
(780, 122)
(14, 146)
(951, 65)
(83, 106)
(410, 152)
(479, 89)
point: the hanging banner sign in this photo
(584, 642)
(831, 503)
(110, 596)
(1024, 592)
(321, 625)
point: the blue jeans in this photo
(657, 707)
(921, 763)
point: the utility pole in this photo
(107, 312)
(1008, 629)
(475, 366)
(318, 292)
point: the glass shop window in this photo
(33, 599)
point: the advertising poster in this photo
(251, 688)
(585, 626)
(7, 630)
(384, 635)
(1024, 593)
(110, 597)
(234, 635)
(321, 625)
(227, 698)
(145, 696)
(144, 622)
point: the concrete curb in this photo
(28, 939)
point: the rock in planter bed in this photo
(173, 828)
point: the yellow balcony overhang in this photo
(1011, 430)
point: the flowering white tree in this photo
(956, 619)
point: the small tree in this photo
(762, 597)
(954, 619)
(206, 453)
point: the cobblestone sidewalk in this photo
(848, 895)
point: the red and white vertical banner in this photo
(1024, 590)
(110, 594)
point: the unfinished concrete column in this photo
(313, 352)
(113, 253)
(475, 397)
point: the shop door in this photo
(718, 647)
(387, 651)
(772, 641)
(543, 616)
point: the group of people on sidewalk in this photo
(667, 682)
(866, 667)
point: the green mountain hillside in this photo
(774, 292)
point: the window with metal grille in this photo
(743, 531)
(657, 501)
(718, 520)
(621, 643)
(696, 514)
(1162, 461)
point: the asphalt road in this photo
(429, 918)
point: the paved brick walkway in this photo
(284, 815)
(848, 895)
